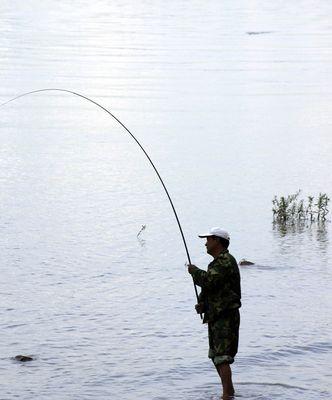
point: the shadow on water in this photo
(268, 391)
(261, 391)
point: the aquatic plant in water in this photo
(292, 209)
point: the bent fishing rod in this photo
(133, 137)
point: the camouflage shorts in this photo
(224, 337)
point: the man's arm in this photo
(207, 279)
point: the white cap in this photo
(216, 232)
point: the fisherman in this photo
(220, 300)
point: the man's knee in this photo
(222, 360)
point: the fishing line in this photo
(133, 137)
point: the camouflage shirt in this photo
(220, 285)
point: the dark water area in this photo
(232, 101)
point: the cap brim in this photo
(204, 235)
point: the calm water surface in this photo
(233, 102)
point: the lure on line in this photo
(133, 137)
(142, 229)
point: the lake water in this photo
(232, 100)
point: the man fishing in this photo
(220, 300)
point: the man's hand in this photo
(191, 268)
(199, 308)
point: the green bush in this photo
(292, 209)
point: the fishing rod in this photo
(133, 137)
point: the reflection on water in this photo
(319, 230)
(322, 233)
(313, 234)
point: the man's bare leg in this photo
(225, 373)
